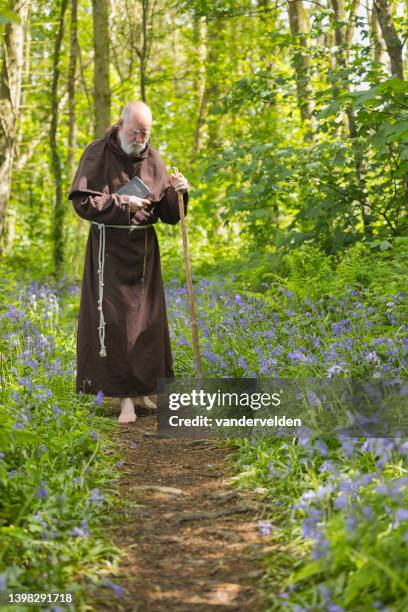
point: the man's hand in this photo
(141, 216)
(136, 203)
(178, 181)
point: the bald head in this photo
(137, 111)
(134, 127)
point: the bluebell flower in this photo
(321, 547)
(340, 502)
(264, 527)
(78, 532)
(328, 466)
(325, 591)
(3, 583)
(402, 514)
(116, 588)
(351, 522)
(97, 497)
(42, 492)
(333, 370)
(322, 448)
(99, 397)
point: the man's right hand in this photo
(136, 203)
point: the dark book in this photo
(135, 187)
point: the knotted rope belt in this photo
(101, 264)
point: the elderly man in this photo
(123, 343)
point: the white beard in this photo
(131, 148)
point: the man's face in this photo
(133, 134)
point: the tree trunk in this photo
(376, 37)
(58, 217)
(298, 21)
(351, 26)
(10, 93)
(390, 35)
(144, 49)
(73, 55)
(200, 30)
(102, 94)
(343, 37)
(340, 38)
(215, 41)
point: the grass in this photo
(337, 506)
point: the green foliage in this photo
(56, 460)
(365, 541)
(304, 220)
(8, 16)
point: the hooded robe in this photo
(136, 333)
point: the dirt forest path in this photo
(191, 541)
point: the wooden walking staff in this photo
(194, 329)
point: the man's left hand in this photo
(179, 182)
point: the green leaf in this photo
(310, 569)
(7, 16)
(365, 95)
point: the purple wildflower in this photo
(351, 522)
(402, 514)
(78, 532)
(265, 527)
(42, 492)
(99, 397)
(367, 511)
(3, 583)
(340, 502)
(116, 588)
(97, 497)
(322, 448)
(333, 370)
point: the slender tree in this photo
(101, 44)
(390, 35)
(298, 21)
(378, 45)
(144, 48)
(200, 29)
(215, 48)
(10, 94)
(343, 36)
(73, 55)
(59, 206)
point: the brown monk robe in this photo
(133, 329)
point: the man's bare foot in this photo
(144, 401)
(127, 414)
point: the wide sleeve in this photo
(168, 207)
(89, 192)
(110, 209)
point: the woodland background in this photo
(288, 118)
